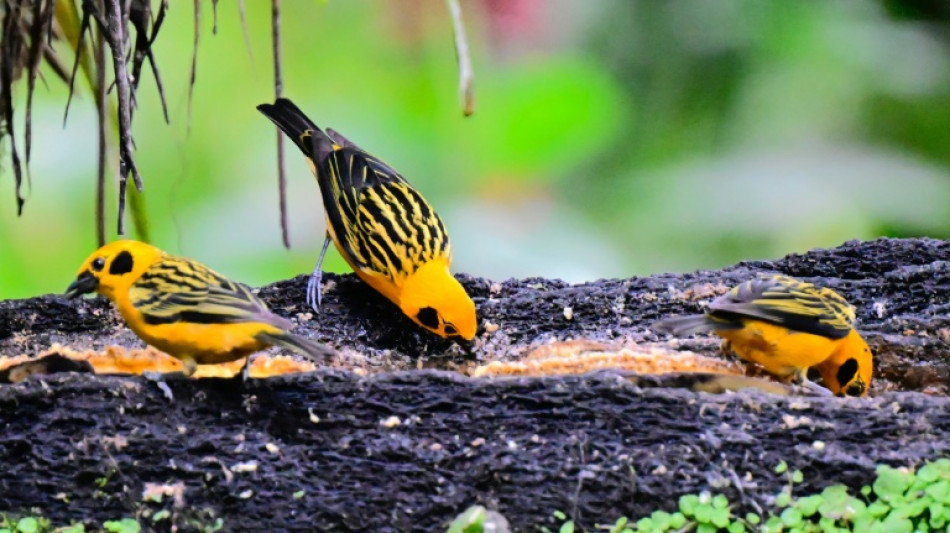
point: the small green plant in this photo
(899, 501)
(126, 525)
(26, 524)
(477, 519)
(40, 524)
(34, 524)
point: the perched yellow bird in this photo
(387, 232)
(185, 309)
(787, 326)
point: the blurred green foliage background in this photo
(611, 137)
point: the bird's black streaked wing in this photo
(383, 224)
(179, 290)
(397, 230)
(791, 303)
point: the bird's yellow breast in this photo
(779, 350)
(206, 344)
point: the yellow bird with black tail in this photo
(184, 308)
(787, 326)
(384, 229)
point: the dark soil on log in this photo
(401, 450)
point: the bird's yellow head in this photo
(110, 270)
(435, 300)
(849, 369)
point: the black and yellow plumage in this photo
(383, 227)
(184, 308)
(788, 302)
(786, 326)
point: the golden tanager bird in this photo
(184, 308)
(787, 326)
(384, 229)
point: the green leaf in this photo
(688, 504)
(736, 527)
(929, 473)
(781, 468)
(720, 501)
(752, 518)
(791, 517)
(677, 520)
(891, 483)
(774, 523)
(878, 509)
(939, 491)
(28, 524)
(619, 525)
(661, 520)
(808, 505)
(703, 513)
(835, 500)
(568, 527)
(827, 525)
(783, 499)
(898, 524)
(720, 517)
(916, 506)
(645, 524)
(471, 520)
(126, 525)
(797, 476)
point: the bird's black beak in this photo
(84, 284)
(467, 346)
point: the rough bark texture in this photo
(329, 455)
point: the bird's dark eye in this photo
(428, 317)
(450, 329)
(98, 264)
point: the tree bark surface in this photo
(378, 445)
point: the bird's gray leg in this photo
(314, 289)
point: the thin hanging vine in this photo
(89, 28)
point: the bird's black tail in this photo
(315, 351)
(311, 140)
(683, 326)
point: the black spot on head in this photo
(98, 264)
(847, 371)
(122, 264)
(428, 317)
(450, 330)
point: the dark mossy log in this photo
(900, 287)
(408, 450)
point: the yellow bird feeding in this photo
(387, 232)
(185, 309)
(787, 326)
